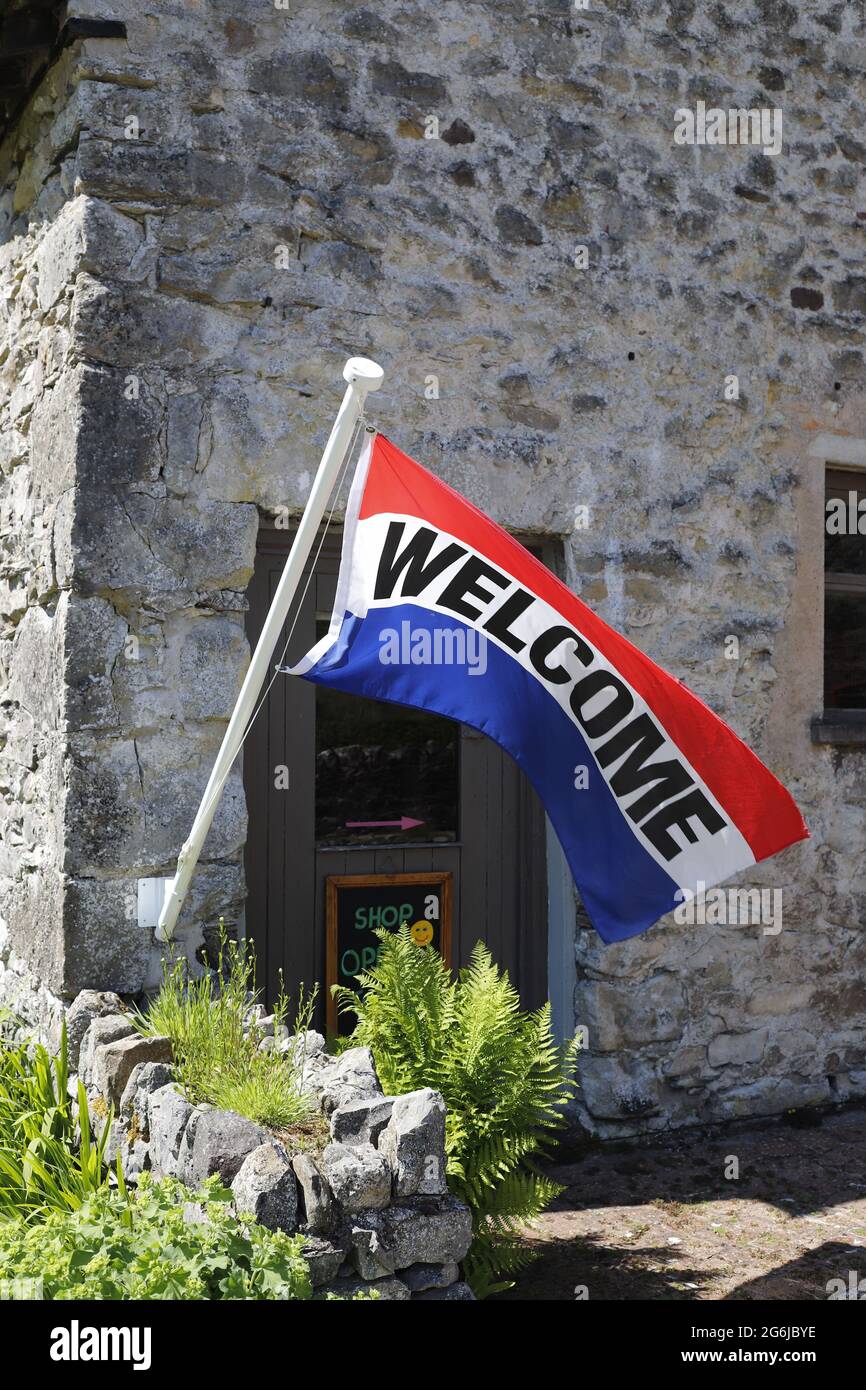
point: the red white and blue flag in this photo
(650, 793)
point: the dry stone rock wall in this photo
(373, 1205)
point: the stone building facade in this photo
(202, 218)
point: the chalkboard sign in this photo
(356, 904)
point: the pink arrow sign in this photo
(404, 823)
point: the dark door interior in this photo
(318, 761)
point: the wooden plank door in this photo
(495, 850)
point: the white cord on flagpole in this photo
(361, 376)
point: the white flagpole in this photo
(362, 376)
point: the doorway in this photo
(338, 785)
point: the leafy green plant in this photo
(216, 1058)
(148, 1245)
(49, 1159)
(502, 1077)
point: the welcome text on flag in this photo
(623, 741)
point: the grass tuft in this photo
(215, 1039)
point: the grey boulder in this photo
(134, 1158)
(455, 1293)
(217, 1141)
(419, 1278)
(359, 1177)
(145, 1080)
(361, 1121)
(100, 1032)
(317, 1208)
(168, 1117)
(388, 1290)
(90, 1004)
(265, 1186)
(351, 1076)
(386, 1241)
(114, 1062)
(312, 1073)
(413, 1141)
(324, 1258)
(302, 1047)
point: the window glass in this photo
(845, 651)
(845, 591)
(379, 765)
(844, 542)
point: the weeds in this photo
(49, 1159)
(121, 1245)
(216, 1039)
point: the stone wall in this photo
(372, 1204)
(36, 487)
(239, 199)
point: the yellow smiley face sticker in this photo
(421, 932)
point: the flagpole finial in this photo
(368, 375)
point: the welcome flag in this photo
(437, 607)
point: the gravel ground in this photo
(662, 1221)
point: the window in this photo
(383, 772)
(845, 591)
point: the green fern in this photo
(502, 1077)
